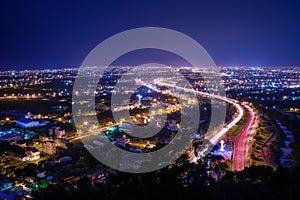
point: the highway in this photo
(215, 137)
(241, 150)
(240, 157)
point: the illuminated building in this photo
(32, 155)
(49, 147)
(27, 123)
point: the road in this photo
(241, 150)
(240, 157)
(214, 137)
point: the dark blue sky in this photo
(42, 34)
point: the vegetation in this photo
(292, 124)
(186, 181)
(239, 127)
(261, 136)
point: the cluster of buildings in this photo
(48, 143)
(12, 78)
(30, 78)
(264, 80)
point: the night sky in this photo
(46, 34)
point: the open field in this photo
(40, 106)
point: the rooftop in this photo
(25, 120)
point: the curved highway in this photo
(240, 157)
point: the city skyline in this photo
(49, 136)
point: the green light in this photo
(44, 185)
(112, 128)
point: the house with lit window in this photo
(32, 154)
